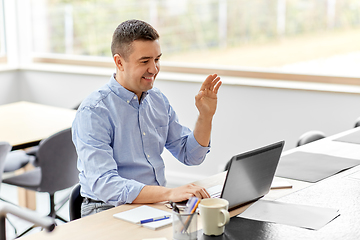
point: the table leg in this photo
(26, 198)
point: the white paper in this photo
(290, 214)
(280, 184)
(355, 175)
(135, 215)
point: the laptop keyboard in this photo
(215, 191)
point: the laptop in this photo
(249, 176)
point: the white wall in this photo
(58, 89)
(9, 86)
(247, 117)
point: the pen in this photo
(191, 204)
(194, 204)
(154, 219)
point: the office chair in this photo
(357, 122)
(227, 166)
(75, 201)
(56, 158)
(77, 106)
(309, 137)
(16, 160)
(5, 148)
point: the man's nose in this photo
(154, 68)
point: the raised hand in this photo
(206, 102)
(206, 99)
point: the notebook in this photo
(143, 212)
(250, 175)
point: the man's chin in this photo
(147, 88)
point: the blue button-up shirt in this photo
(119, 142)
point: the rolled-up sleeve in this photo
(181, 142)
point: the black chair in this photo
(75, 201)
(227, 166)
(57, 170)
(357, 122)
(5, 148)
(309, 137)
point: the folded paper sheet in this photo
(312, 167)
(290, 214)
(350, 138)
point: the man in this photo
(121, 130)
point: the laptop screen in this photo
(250, 174)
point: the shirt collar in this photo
(122, 92)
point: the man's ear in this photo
(119, 62)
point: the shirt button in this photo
(148, 155)
(144, 133)
(135, 97)
(127, 101)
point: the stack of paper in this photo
(138, 214)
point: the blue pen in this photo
(154, 219)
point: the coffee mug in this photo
(214, 215)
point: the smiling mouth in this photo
(149, 78)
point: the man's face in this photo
(138, 73)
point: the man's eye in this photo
(144, 61)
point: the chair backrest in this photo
(5, 148)
(357, 122)
(309, 137)
(227, 165)
(75, 201)
(57, 158)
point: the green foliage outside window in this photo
(189, 25)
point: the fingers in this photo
(206, 84)
(205, 194)
(187, 191)
(217, 86)
(211, 83)
(198, 191)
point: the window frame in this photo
(3, 57)
(202, 69)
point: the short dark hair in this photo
(130, 31)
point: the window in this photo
(2, 34)
(293, 36)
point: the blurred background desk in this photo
(25, 124)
